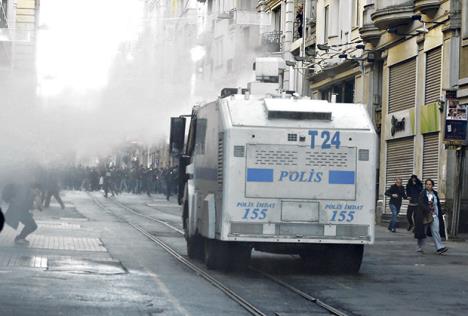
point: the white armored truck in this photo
(277, 173)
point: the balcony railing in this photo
(297, 30)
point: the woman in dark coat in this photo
(413, 189)
(429, 207)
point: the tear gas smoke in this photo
(96, 74)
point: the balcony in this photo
(392, 13)
(369, 32)
(427, 6)
(271, 41)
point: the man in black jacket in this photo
(397, 193)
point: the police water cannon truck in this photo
(265, 170)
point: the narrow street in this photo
(233, 157)
(87, 260)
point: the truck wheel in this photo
(314, 259)
(216, 254)
(345, 259)
(195, 247)
(239, 256)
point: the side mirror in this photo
(177, 138)
(2, 220)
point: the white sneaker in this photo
(420, 250)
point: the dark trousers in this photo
(54, 194)
(108, 187)
(410, 213)
(29, 226)
(168, 190)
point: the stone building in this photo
(401, 58)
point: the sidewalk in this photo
(68, 270)
(400, 249)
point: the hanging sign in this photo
(456, 120)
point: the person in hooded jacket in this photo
(428, 219)
(413, 189)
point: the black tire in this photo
(239, 256)
(216, 254)
(315, 258)
(345, 259)
(195, 247)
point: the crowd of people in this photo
(35, 189)
(114, 180)
(424, 211)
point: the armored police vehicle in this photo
(277, 173)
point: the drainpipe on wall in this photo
(288, 33)
(459, 185)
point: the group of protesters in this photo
(114, 180)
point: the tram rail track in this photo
(249, 307)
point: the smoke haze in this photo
(94, 74)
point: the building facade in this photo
(228, 36)
(403, 60)
(418, 58)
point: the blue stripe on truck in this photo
(259, 175)
(341, 177)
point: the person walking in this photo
(428, 219)
(397, 193)
(20, 199)
(413, 189)
(168, 178)
(147, 180)
(52, 189)
(107, 184)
